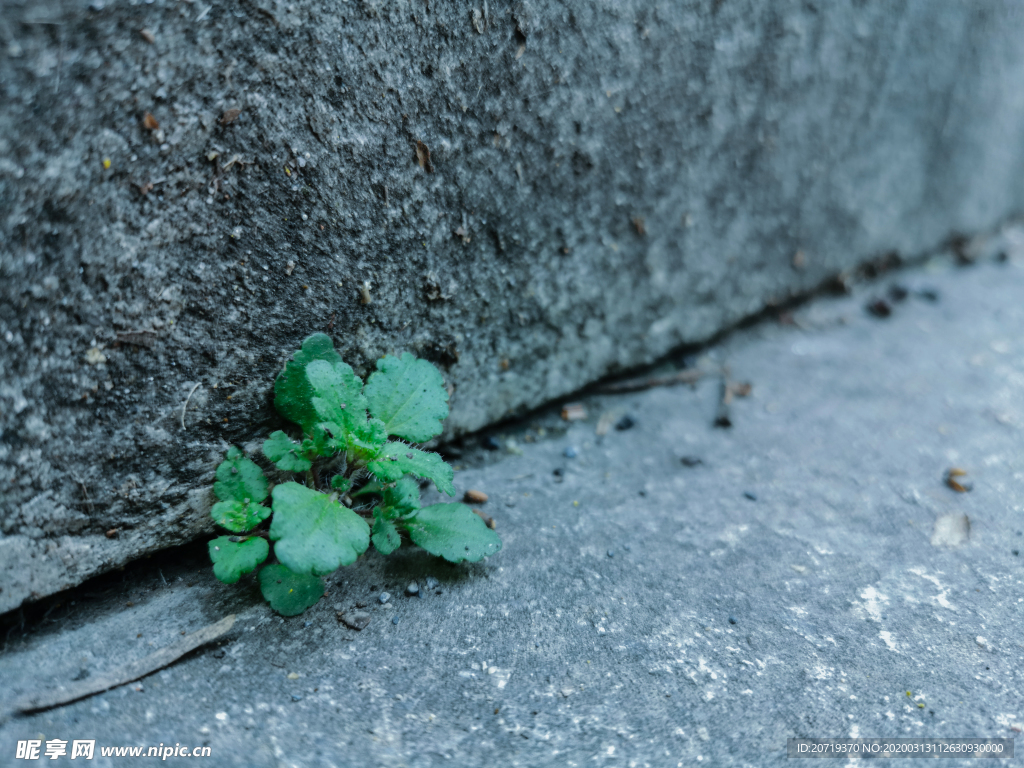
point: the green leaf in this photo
(401, 498)
(233, 558)
(398, 459)
(314, 533)
(385, 536)
(408, 395)
(340, 483)
(368, 438)
(337, 394)
(240, 486)
(285, 453)
(373, 486)
(452, 531)
(287, 592)
(293, 395)
(325, 440)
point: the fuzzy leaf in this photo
(340, 483)
(240, 486)
(368, 438)
(285, 453)
(325, 440)
(401, 498)
(398, 459)
(337, 395)
(385, 536)
(373, 486)
(287, 592)
(293, 395)
(314, 533)
(408, 395)
(233, 558)
(452, 531)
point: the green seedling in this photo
(353, 467)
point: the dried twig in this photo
(186, 404)
(129, 672)
(689, 376)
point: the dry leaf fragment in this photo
(638, 223)
(488, 521)
(423, 157)
(230, 116)
(950, 478)
(149, 122)
(573, 412)
(148, 36)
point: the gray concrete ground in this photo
(812, 576)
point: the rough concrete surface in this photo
(531, 194)
(642, 612)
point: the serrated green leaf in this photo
(367, 438)
(385, 536)
(314, 533)
(293, 395)
(237, 516)
(399, 459)
(408, 395)
(240, 486)
(340, 483)
(285, 453)
(373, 486)
(337, 394)
(401, 498)
(289, 593)
(452, 531)
(326, 441)
(233, 558)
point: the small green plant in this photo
(355, 465)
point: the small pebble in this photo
(690, 461)
(431, 582)
(359, 604)
(357, 620)
(570, 452)
(475, 497)
(341, 607)
(296, 698)
(611, 553)
(879, 308)
(750, 495)
(413, 589)
(898, 292)
(384, 597)
(395, 621)
(732, 619)
(626, 422)
(490, 443)
(626, 547)
(308, 623)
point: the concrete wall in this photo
(606, 180)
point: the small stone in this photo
(570, 452)
(732, 619)
(395, 621)
(626, 422)
(691, 461)
(750, 495)
(296, 698)
(341, 607)
(360, 604)
(413, 589)
(218, 654)
(384, 597)
(626, 547)
(879, 308)
(611, 553)
(293, 675)
(357, 620)
(475, 497)
(898, 292)
(490, 443)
